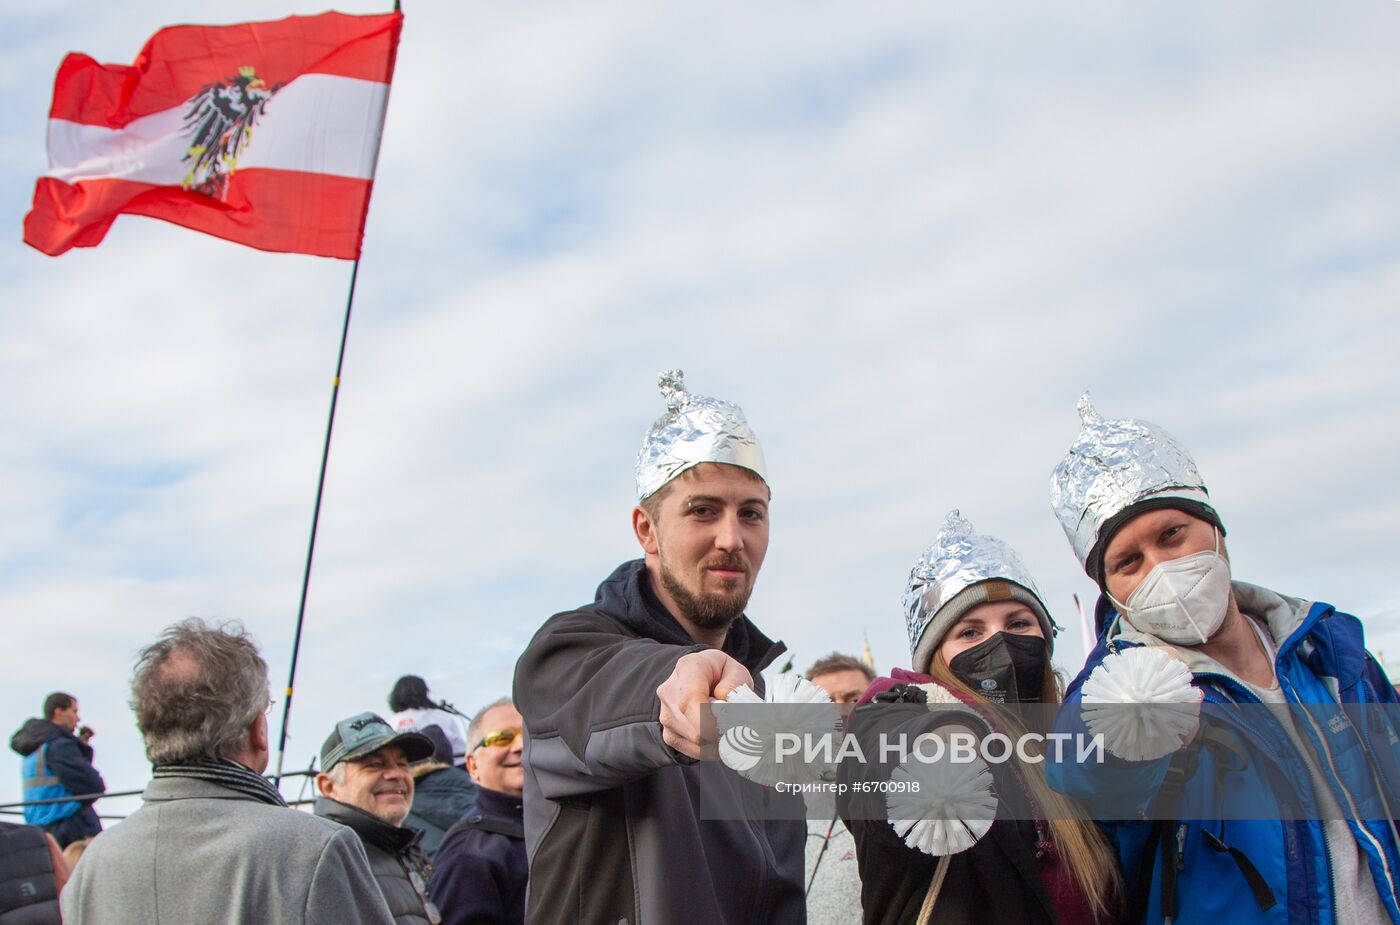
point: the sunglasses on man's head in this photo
(500, 738)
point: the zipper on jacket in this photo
(1355, 813)
(1389, 815)
(1180, 863)
(1376, 780)
(1375, 772)
(1290, 832)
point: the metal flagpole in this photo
(321, 479)
(315, 521)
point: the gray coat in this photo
(199, 852)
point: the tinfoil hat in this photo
(694, 429)
(1115, 465)
(964, 568)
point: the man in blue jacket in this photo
(58, 763)
(1137, 513)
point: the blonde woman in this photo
(979, 635)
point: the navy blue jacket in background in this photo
(442, 796)
(480, 872)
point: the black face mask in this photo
(1007, 668)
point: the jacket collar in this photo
(166, 789)
(371, 829)
(423, 768)
(626, 596)
(495, 803)
(1283, 616)
(1292, 623)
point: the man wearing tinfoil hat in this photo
(1176, 631)
(612, 695)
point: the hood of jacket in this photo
(372, 830)
(423, 768)
(625, 596)
(36, 732)
(441, 797)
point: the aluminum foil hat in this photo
(694, 429)
(964, 568)
(1115, 465)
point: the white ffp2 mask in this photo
(1181, 601)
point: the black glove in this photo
(902, 693)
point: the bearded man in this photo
(612, 693)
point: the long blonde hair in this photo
(1086, 852)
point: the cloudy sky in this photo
(904, 236)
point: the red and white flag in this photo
(265, 134)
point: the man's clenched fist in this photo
(697, 678)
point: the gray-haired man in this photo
(214, 842)
(366, 784)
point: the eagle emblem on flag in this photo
(219, 124)
(294, 106)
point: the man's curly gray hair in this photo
(196, 690)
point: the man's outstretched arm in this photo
(602, 707)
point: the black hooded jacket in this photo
(29, 882)
(68, 759)
(399, 865)
(612, 814)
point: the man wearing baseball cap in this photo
(366, 784)
(1143, 526)
(612, 695)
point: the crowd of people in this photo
(588, 794)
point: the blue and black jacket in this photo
(1252, 871)
(56, 764)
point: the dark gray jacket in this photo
(399, 865)
(612, 814)
(28, 881)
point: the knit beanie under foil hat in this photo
(962, 569)
(1115, 470)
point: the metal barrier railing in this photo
(17, 808)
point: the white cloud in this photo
(903, 239)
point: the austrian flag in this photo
(264, 133)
